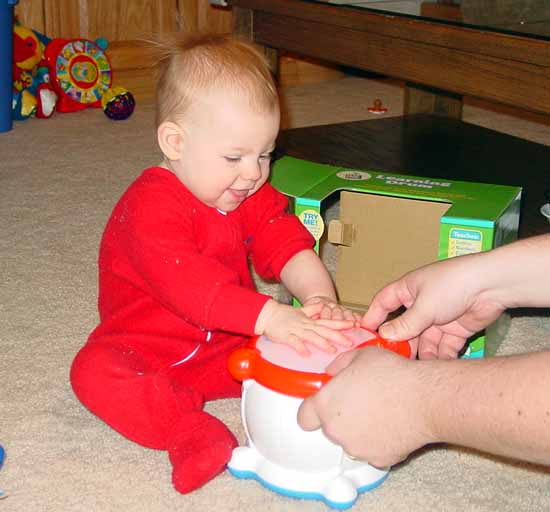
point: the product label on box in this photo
(313, 222)
(464, 241)
(353, 175)
(413, 182)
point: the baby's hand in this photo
(298, 326)
(331, 310)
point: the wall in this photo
(125, 24)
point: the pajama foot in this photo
(199, 451)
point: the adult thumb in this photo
(307, 416)
(406, 326)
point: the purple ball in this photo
(120, 107)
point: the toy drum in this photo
(279, 454)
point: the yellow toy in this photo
(32, 92)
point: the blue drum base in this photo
(338, 488)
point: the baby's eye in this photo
(266, 156)
(233, 159)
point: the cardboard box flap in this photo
(297, 180)
(470, 201)
(391, 236)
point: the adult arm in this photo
(450, 300)
(381, 407)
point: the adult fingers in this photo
(428, 343)
(413, 342)
(383, 303)
(450, 346)
(307, 415)
(341, 362)
(410, 324)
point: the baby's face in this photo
(226, 149)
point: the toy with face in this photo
(80, 72)
(28, 52)
(32, 92)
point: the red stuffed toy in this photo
(33, 94)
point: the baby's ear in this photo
(169, 137)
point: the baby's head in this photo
(217, 116)
(195, 65)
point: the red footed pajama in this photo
(159, 405)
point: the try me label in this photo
(313, 223)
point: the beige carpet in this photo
(58, 182)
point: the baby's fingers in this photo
(352, 315)
(297, 343)
(330, 330)
(314, 338)
(337, 313)
(313, 310)
(327, 312)
(342, 313)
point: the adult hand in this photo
(373, 407)
(446, 304)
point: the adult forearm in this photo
(498, 405)
(518, 274)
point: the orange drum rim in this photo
(247, 363)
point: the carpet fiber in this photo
(59, 179)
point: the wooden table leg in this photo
(243, 26)
(424, 100)
(243, 22)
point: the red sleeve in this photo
(164, 260)
(276, 235)
(235, 308)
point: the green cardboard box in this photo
(391, 223)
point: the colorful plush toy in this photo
(32, 92)
(28, 51)
(80, 72)
(66, 75)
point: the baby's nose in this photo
(252, 171)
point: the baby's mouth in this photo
(239, 194)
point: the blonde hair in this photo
(195, 64)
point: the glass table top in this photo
(524, 17)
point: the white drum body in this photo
(271, 427)
(281, 455)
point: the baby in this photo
(176, 295)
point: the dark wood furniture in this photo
(445, 60)
(436, 147)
